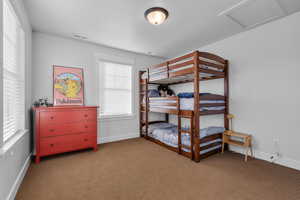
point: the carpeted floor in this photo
(140, 170)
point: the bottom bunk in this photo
(166, 134)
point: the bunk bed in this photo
(190, 141)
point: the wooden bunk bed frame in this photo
(193, 67)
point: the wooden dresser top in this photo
(41, 108)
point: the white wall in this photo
(49, 50)
(15, 156)
(264, 86)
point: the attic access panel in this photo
(251, 13)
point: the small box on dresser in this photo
(64, 129)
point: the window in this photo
(115, 89)
(13, 73)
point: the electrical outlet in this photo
(274, 157)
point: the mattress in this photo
(188, 104)
(161, 73)
(169, 136)
(160, 125)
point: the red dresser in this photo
(64, 129)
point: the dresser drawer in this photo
(60, 144)
(51, 130)
(72, 116)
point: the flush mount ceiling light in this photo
(156, 15)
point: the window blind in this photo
(13, 73)
(115, 89)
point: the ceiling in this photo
(121, 23)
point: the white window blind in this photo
(13, 73)
(115, 89)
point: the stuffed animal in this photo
(162, 89)
(170, 92)
(165, 91)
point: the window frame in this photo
(120, 61)
(4, 145)
(1, 80)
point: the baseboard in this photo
(17, 183)
(284, 161)
(114, 138)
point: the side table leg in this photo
(246, 154)
(223, 147)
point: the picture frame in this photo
(68, 86)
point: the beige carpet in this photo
(140, 170)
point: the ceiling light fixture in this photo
(156, 15)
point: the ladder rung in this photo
(185, 146)
(186, 131)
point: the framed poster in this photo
(68, 86)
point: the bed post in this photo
(167, 115)
(192, 136)
(196, 107)
(226, 94)
(147, 106)
(141, 102)
(179, 125)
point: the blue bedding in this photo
(153, 93)
(169, 135)
(160, 125)
(190, 94)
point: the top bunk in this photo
(183, 69)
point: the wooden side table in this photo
(246, 141)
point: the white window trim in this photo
(1, 80)
(115, 117)
(123, 61)
(5, 146)
(12, 141)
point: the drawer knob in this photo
(85, 115)
(51, 130)
(51, 117)
(85, 139)
(85, 126)
(51, 145)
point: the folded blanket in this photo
(190, 94)
(153, 93)
(188, 104)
